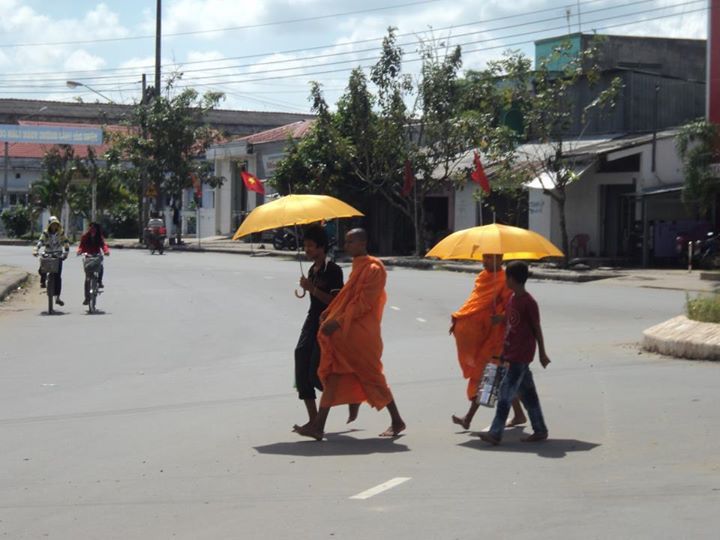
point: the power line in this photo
(344, 70)
(135, 69)
(373, 49)
(217, 78)
(504, 46)
(11, 83)
(215, 30)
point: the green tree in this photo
(540, 96)
(17, 220)
(167, 139)
(360, 150)
(698, 146)
(60, 167)
(111, 177)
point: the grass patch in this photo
(704, 308)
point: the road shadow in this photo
(335, 444)
(551, 448)
(55, 312)
(97, 312)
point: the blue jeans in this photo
(518, 381)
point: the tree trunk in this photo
(561, 199)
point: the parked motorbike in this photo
(285, 239)
(706, 253)
(155, 239)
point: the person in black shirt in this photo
(323, 282)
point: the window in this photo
(629, 163)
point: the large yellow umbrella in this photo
(293, 210)
(512, 242)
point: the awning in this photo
(546, 180)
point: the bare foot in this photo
(394, 430)
(516, 421)
(536, 437)
(461, 422)
(353, 410)
(304, 426)
(309, 431)
(488, 438)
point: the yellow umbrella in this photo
(294, 210)
(512, 242)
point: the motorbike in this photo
(285, 238)
(155, 239)
(706, 252)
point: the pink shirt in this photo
(520, 342)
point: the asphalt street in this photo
(169, 414)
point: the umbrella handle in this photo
(304, 292)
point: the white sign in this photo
(270, 163)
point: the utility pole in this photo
(5, 199)
(158, 34)
(142, 199)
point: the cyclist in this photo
(93, 243)
(54, 241)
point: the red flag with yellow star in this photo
(252, 183)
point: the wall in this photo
(465, 209)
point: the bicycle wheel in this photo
(93, 292)
(50, 289)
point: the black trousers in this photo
(307, 359)
(58, 278)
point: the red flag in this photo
(408, 179)
(478, 175)
(252, 183)
(196, 184)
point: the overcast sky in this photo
(262, 53)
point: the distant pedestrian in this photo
(523, 332)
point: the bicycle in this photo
(92, 265)
(50, 265)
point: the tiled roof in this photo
(230, 121)
(296, 130)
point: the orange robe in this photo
(352, 353)
(477, 339)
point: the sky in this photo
(263, 53)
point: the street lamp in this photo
(5, 200)
(93, 181)
(75, 84)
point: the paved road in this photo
(169, 416)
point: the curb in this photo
(419, 264)
(682, 338)
(16, 279)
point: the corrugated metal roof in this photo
(296, 130)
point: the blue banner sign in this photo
(51, 134)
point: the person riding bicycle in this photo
(93, 243)
(54, 242)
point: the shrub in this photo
(704, 308)
(16, 220)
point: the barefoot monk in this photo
(478, 339)
(351, 346)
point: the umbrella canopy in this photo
(512, 242)
(294, 210)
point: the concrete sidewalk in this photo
(11, 279)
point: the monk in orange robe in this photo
(479, 335)
(351, 346)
